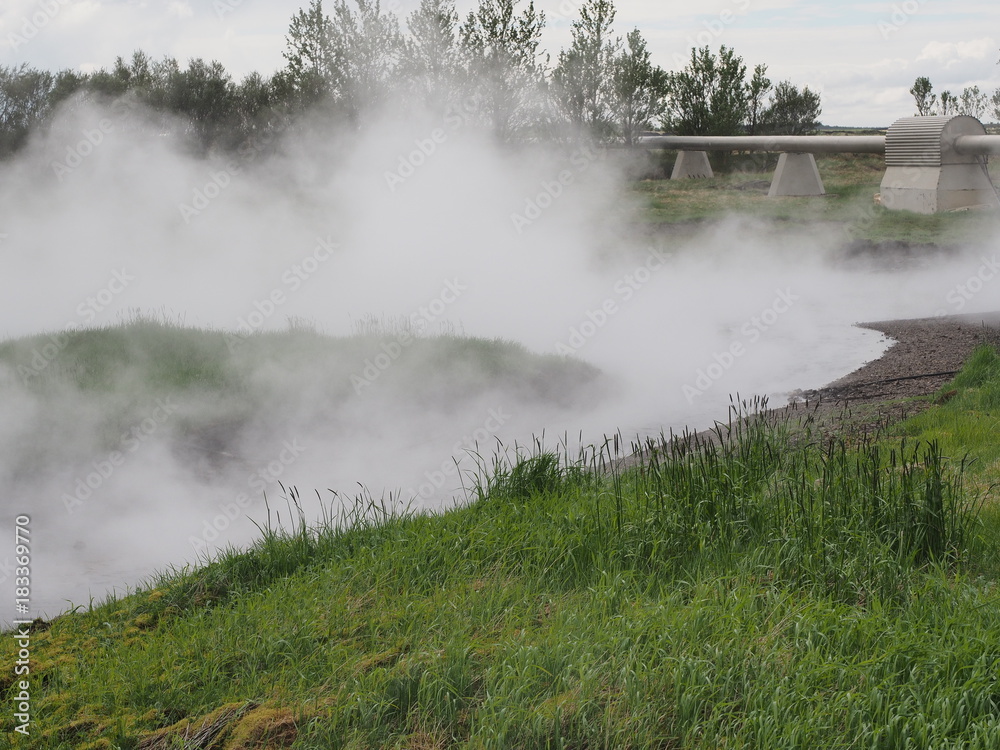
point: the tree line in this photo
(971, 101)
(353, 62)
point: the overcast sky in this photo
(862, 57)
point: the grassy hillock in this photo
(164, 358)
(89, 387)
(765, 588)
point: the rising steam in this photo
(416, 228)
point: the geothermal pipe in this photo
(977, 145)
(933, 163)
(796, 174)
(787, 144)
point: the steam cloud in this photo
(425, 222)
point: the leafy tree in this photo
(253, 100)
(204, 95)
(347, 59)
(24, 104)
(639, 89)
(792, 112)
(161, 92)
(757, 90)
(310, 75)
(500, 53)
(973, 102)
(710, 96)
(259, 111)
(923, 97)
(995, 106)
(949, 103)
(583, 75)
(117, 81)
(430, 56)
(67, 83)
(367, 46)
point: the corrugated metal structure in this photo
(915, 142)
(935, 164)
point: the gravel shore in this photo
(926, 354)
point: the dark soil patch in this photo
(926, 355)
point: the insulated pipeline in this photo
(791, 144)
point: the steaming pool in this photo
(674, 323)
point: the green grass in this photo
(967, 424)
(851, 182)
(757, 589)
(168, 358)
(969, 420)
(105, 381)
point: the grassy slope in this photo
(750, 595)
(218, 379)
(851, 182)
(165, 358)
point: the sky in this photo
(861, 57)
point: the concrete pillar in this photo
(796, 174)
(930, 190)
(691, 164)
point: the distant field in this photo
(851, 183)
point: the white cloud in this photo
(82, 11)
(180, 9)
(952, 53)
